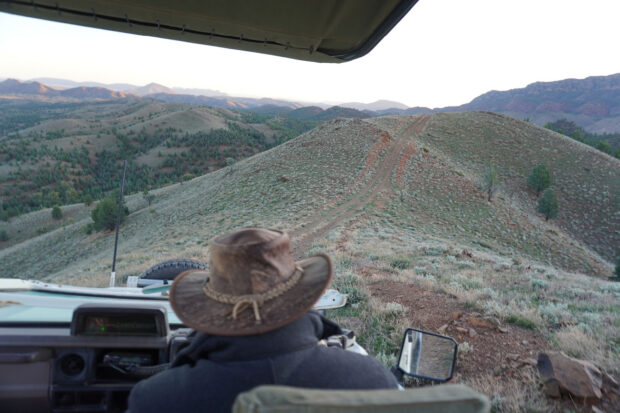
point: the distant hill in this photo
(230, 102)
(377, 106)
(318, 114)
(273, 109)
(151, 89)
(307, 112)
(592, 103)
(198, 92)
(36, 90)
(68, 84)
(92, 93)
(15, 87)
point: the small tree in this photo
(4, 236)
(548, 204)
(88, 199)
(56, 212)
(149, 197)
(539, 179)
(104, 214)
(604, 146)
(490, 181)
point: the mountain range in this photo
(592, 103)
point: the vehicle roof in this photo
(314, 30)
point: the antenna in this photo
(118, 224)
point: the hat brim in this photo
(204, 314)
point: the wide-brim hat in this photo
(253, 285)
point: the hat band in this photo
(255, 300)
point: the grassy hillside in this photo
(395, 202)
(58, 154)
(586, 181)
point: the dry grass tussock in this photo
(513, 395)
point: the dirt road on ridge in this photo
(399, 149)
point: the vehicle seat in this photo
(436, 399)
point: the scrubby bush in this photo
(88, 199)
(540, 284)
(521, 321)
(104, 214)
(400, 263)
(490, 181)
(548, 204)
(539, 179)
(148, 197)
(56, 212)
(4, 236)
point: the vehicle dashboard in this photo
(91, 364)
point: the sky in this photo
(443, 53)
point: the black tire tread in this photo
(168, 270)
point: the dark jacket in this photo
(208, 375)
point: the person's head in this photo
(253, 285)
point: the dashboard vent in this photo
(72, 364)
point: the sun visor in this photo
(332, 31)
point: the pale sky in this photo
(443, 53)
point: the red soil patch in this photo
(493, 351)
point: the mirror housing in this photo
(427, 355)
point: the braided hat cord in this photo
(255, 300)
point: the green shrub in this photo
(104, 214)
(56, 212)
(539, 179)
(400, 263)
(548, 204)
(4, 236)
(41, 230)
(88, 199)
(348, 283)
(89, 229)
(521, 321)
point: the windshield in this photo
(463, 176)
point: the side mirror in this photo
(427, 355)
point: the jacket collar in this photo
(302, 333)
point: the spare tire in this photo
(168, 270)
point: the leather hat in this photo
(253, 285)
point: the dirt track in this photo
(398, 150)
